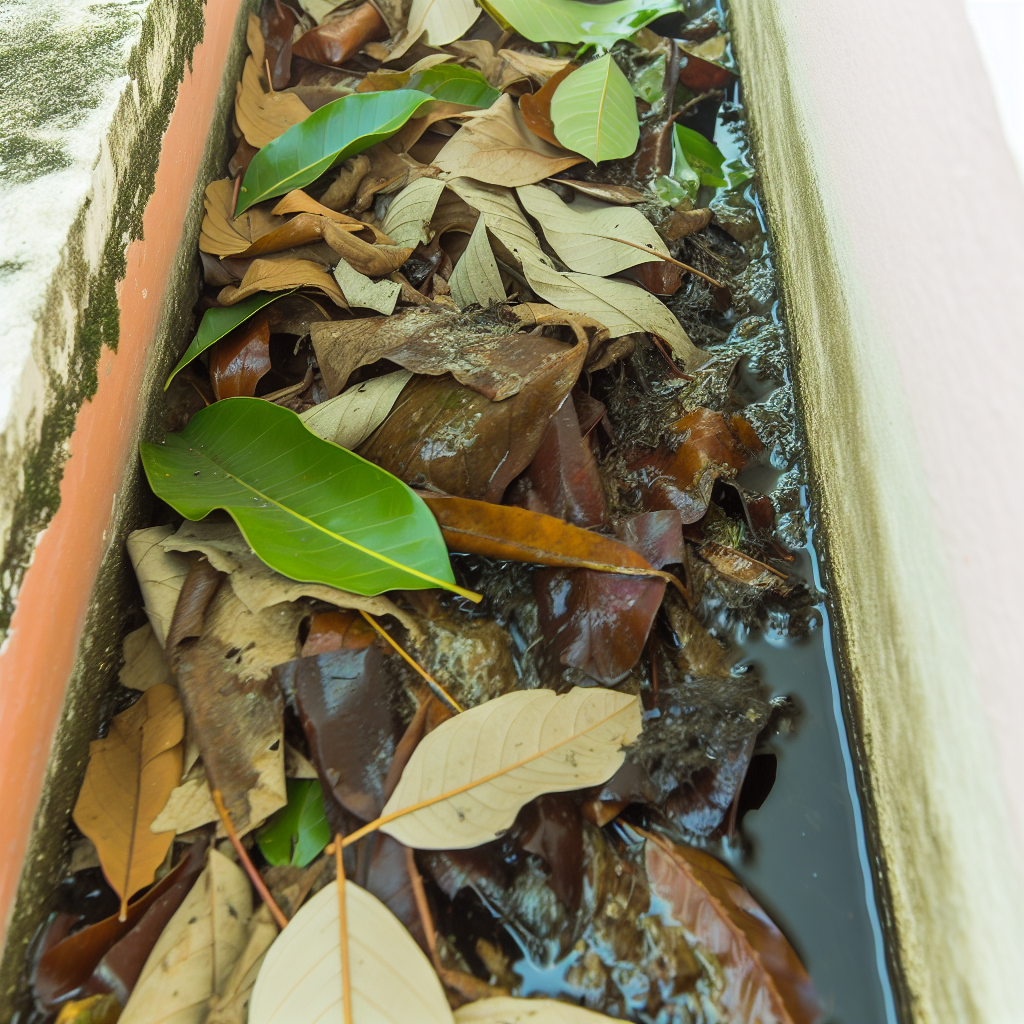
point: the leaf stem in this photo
(435, 687)
(667, 259)
(243, 856)
(346, 969)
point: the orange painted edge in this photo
(38, 659)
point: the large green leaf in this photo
(218, 322)
(594, 112)
(571, 21)
(333, 133)
(703, 158)
(298, 832)
(310, 509)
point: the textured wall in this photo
(899, 221)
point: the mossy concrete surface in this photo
(883, 301)
(86, 95)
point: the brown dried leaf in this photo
(299, 230)
(144, 661)
(223, 234)
(335, 42)
(535, 108)
(277, 25)
(621, 195)
(131, 774)
(371, 260)
(263, 116)
(298, 201)
(265, 275)
(241, 359)
(497, 147)
(533, 66)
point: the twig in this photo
(234, 194)
(243, 856)
(436, 688)
(420, 895)
(346, 975)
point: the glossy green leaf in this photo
(648, 83)
(453, 83)
(704, 159)
(594, 112)
(333, 133)
(298, 832)
(308, 508)
(571, 21)
(218, 322)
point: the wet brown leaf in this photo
(661, 278)
(130, 775)
(764, 979)
(335, 42)
(685, 222)
(551, 827)
(535, 108)
(742, 568)
(700, 75)
(240, 360)
(451, 438)
(497, 147)
(265, 275)
(337, 631)
(277, 24)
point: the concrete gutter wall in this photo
(98, 284)
(898, 219)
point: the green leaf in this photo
(298, 832)
(309, 509)
(571, 21)
(649, 82)
(218, 322)
(330, 135)
(704, 159)
(453, 83)
(594, 112)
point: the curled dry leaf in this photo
(621, 195)
(130, 775)
(497, 147)
(337, 41)
(476, 278)
(371, 260)
(351, 417)
(392, 980)
(507, 1010)
(761, 977)
(281, 274)
(503, 754)
(261, 115)
(223, 234)
(300, 230)
(298, 201)
(194, 956)
(408, 218)
(585, 233)
(536, 107)
(435, 22)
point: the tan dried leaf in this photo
(435, 22)
(231, 1004)
(503, 754)
(144, 662)
(130, 775)
(476, 277)
(392, 980)
(371, 260)
(265, 275)
(351, 417)
(299, 230)
(495, 146)
(408, 218)
(298, 201)
(194, 956)
(223, 234)
(160, 576)
(362, 292)
(530, 65)
(501, 214)
(190, 806)
(508, 1010)
(263, 116)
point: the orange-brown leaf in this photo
(280, 275)
(536, 107)
(131, 773)
(764, 979)
(337, 41)
(240, 360)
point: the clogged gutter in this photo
(452, 543)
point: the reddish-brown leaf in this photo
(536, 107)
(277, 21)
(337, 631)
(240, 360)
(552, 828)
(660, 278)
(764, 979)
(702, 75)
(338, 41)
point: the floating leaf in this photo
(131, 773)
(392, 980)
(193, 958)
(408, 217)
(622, 307)
(594, 113)
(571, 21)
(497, 147)
(585, 233)
(350, 418)
(327, 137)
(298, 832)
(498, 756)
(218, 322)
(508, 1010)
(309, 509)
(435, 23)
(703, 158)
(476, 277)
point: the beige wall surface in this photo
(899, 222)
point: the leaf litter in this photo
(455, 536)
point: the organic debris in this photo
(439, 606)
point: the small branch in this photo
(435, 687)
(346, 975)
(234, 194)
(420, 895)
(243, 856)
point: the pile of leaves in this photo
(430, 699)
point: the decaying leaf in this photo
(351, 417)
(501, 755)
(130, 775)
(742, 568)
(497, 147)
(392, 980)
(263, 116)
(278, 275)
(476, 277)
(362, 292)
(193, 958)
(760, 976)
(231, 1003)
